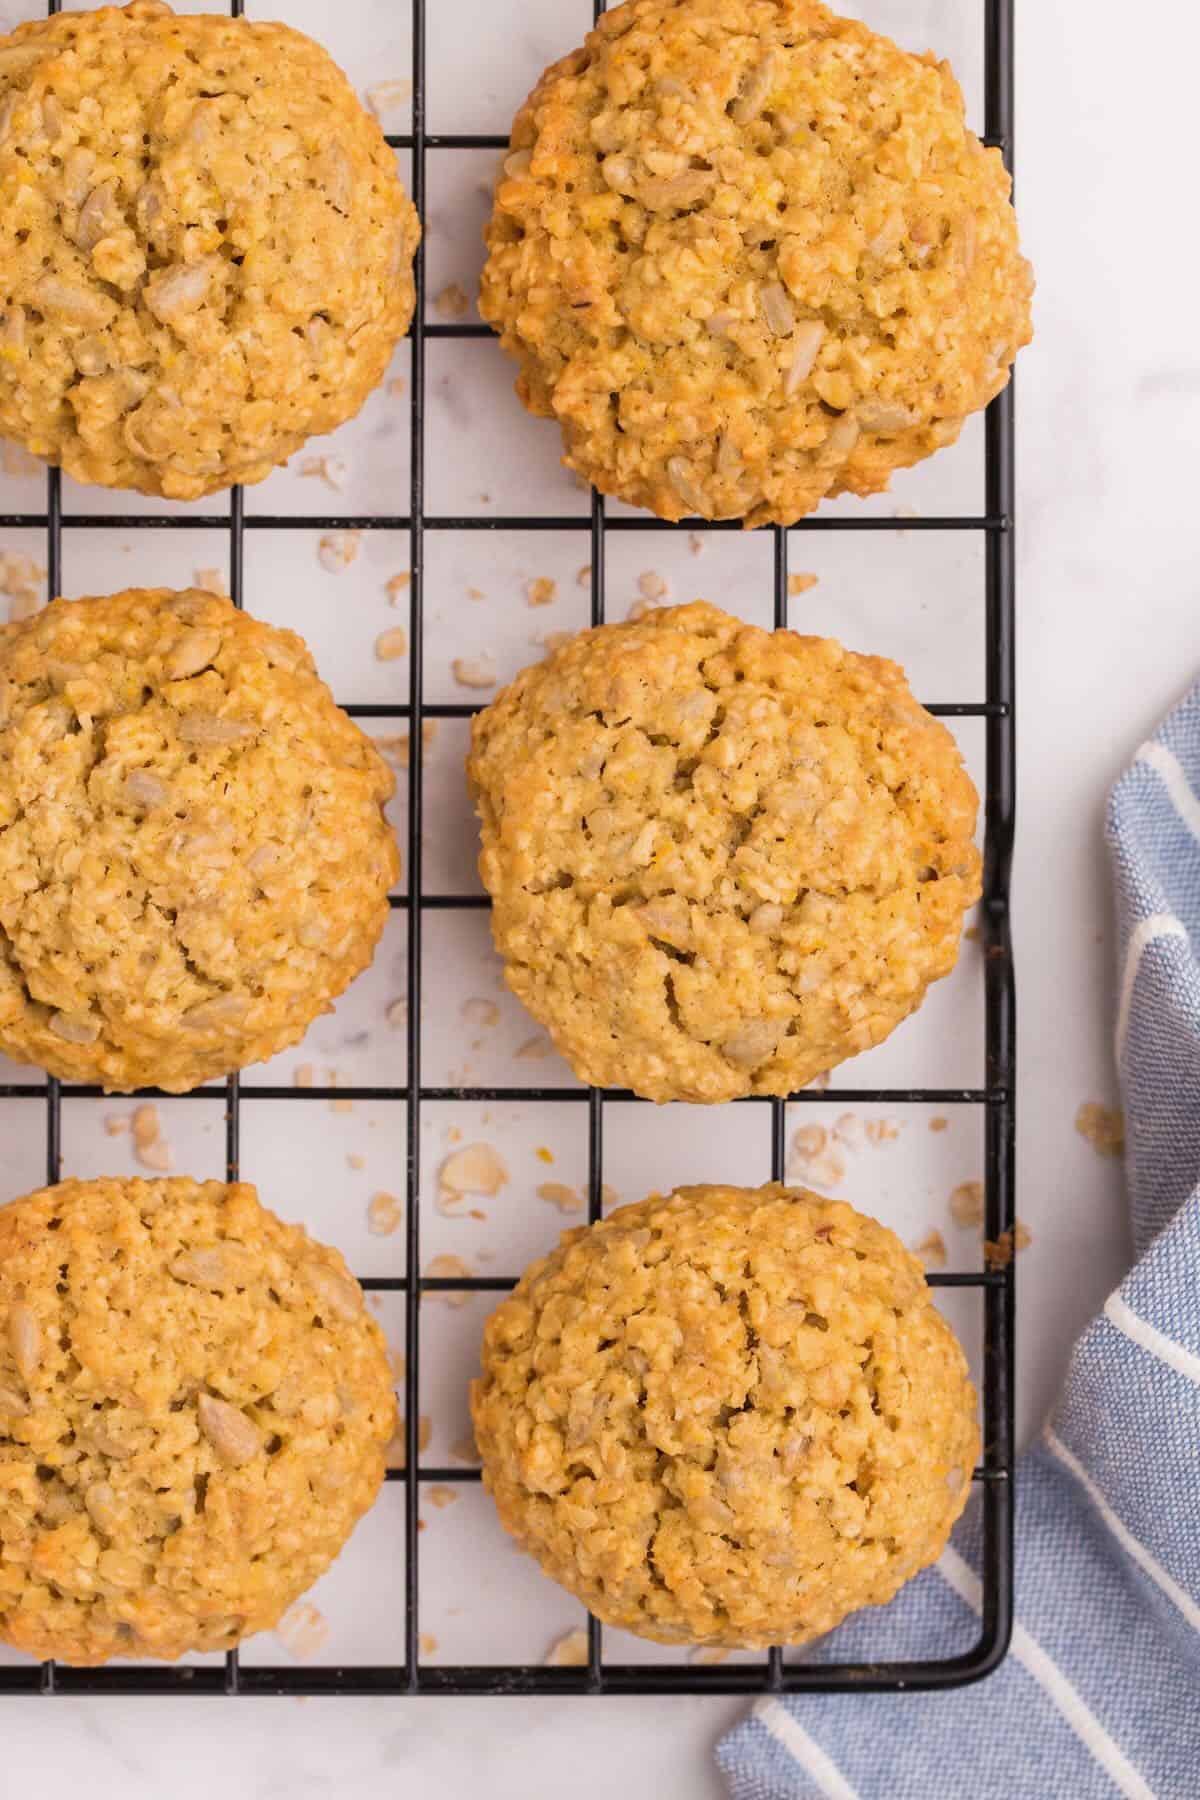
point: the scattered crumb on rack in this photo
(570, 1651)
(966, 1203)
(999, 1252)
(1102, 1126)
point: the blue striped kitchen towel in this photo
(1100, 1694)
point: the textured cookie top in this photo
(730, 1416)
(749, 255)
(194, 1406)
(194, 859)
(205, 252)
(721, 859)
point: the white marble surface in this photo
(1109, 432)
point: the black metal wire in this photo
(996, 1098)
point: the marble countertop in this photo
(1109, 434)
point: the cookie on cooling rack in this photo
(721, 859)
(205, 251)
(194, 858)
(730, 1416)
(748, 255)
(194, 1405)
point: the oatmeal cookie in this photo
(194, 1405)
(721, 859)
(205, 252)
(194, 859)
(749, 255)
(729, 1416)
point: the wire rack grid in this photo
(996, 1098)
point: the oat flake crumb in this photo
(302, 1630)
(391, 645)
(116, 1124)
(441, 1495)
(428, 1644)
(397, 585)
(396, 1450)
(882, 1131)
(535, 1048)
(800, 584)
(567, 1199)
(966, 1203)
(932, 1250)
(999, 1252)
(150, 1148)
(395, 747)
(652, 587)
(338, 549)
(541, 591)
(584, 578)
(384, 1213)
(304, 1076)
(453, 302)
(384, 97)
(849, 1131)
(329, 469)
(939, 1124)
(448, 1268)
(356, 1160)
(18, 571)
(1102, 1126)
(570, 1652)
(21, 579)
(473, 672)
(815, 1161)
(475, 1169)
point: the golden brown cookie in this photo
(728, 1416)
(721, 859)
(194, 1404)
(194, 860)
(205, 252)
(748, 255)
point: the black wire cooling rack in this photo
(996, 1099)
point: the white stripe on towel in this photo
(1145, 932)
(1149, 1337)
(1087, 1727)
(1141, 1556)
(807, 1752)
(1165, 763)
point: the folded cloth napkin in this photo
(1100, 1694)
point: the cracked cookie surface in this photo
(205, 251)
(749, 255)
(194, 860)
(194, 1405)
(726, 1416)
(721, 859)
